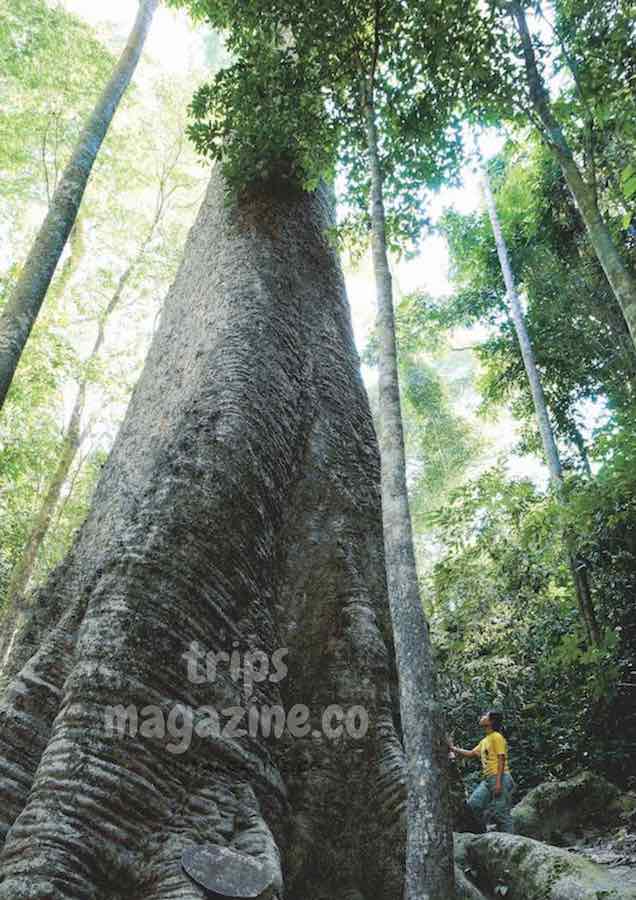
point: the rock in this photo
(465, 889)
(225, 873)
(556, 808)
(519, 868)
(628, 809)
(460, 845)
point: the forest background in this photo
(490, 533)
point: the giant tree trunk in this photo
(429, 855)
(240, 508)
(23, 307)
(620, 277)
(578, 569)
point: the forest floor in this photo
(614, 849)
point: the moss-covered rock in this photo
(520, 868)
(556, 808)
(465, 889)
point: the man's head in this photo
(491, 720)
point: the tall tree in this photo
(550, 449)
(311, 79)
(240, 508)
(22, 308)
(579, 336)
(579, 170)
(429, 871)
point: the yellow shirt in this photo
(490, 748)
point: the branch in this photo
(538, 93)
(44, 165)
(535, 120)
(56, 160)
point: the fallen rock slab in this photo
(558, 808)
(520, 868)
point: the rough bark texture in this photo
(23, 307)
(580, 575)
(240, 505)
(429, 857)
(620, 277)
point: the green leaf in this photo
(627, 173)
(629, 187)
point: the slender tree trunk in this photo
(59, 512)
(240, 509)
(550, 448)
(15, 607)
(577, 566)
(23, 307)
(23, 571)
(620, 277)
(579, 443)
(429, 859)
(77, 247)
(14, 610)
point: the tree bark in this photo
(77, 248)
(621, 279)
(429, 858)
(23, 307)
(240, 508)
(551, 451)
(23, 570)
(13, 613)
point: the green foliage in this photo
(507, 630)
(585, 53)
(505, 620)
(52, 69)
(294, 101)
(138, 206)
(266, 121)
(577, 331)
(441, 442)
(597, 48)
(628, 181)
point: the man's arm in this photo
(473, 752)
(501, 765)
(499, 747)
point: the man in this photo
(497, 786)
